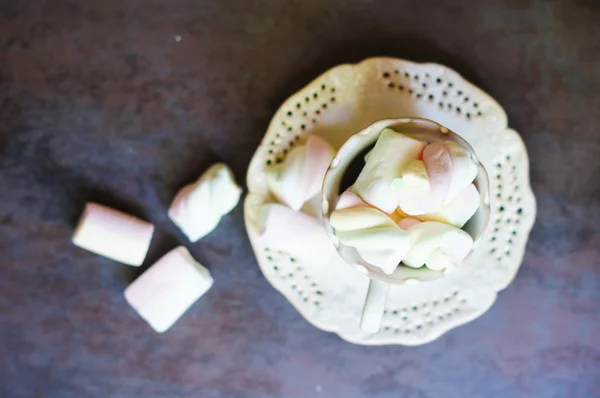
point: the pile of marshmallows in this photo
(409, 203)
(407, 206)
(171, 285)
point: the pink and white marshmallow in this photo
(300, 176)
(308, 232)
(374, 234)
(385, 162)
(198, 207)
(163, 293)
(428, 186)
(464, 169)
(459, 210)
(113, 234)
(437, 245)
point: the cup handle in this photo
(374, 305)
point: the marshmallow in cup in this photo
(380, 281)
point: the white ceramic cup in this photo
(380, 282)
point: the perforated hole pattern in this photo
(507, 211)
(300, 117)
(288, 270)
(419, 316)
(307, 111)
(435, 90)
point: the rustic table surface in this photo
(123, 101)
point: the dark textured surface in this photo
(98, 101)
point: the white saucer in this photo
(346, 99)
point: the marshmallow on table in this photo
(392, 152)
(198, 207)
(168, 288)
(113, 234)
(301, 174)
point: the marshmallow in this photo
(464, 169)
(350, 199)
(198, 207)
(301, 174)
(438, 260)
(430, 185)
(374, 235)
(354, 218)
(387, 260)
(412, 189)
(436, 245)
(438, 164)
(392, 152)
(113, 234)
(376, 238)
(459, 210)
(307, 231)
(168, 288)
(383, 247)
(415, 176)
